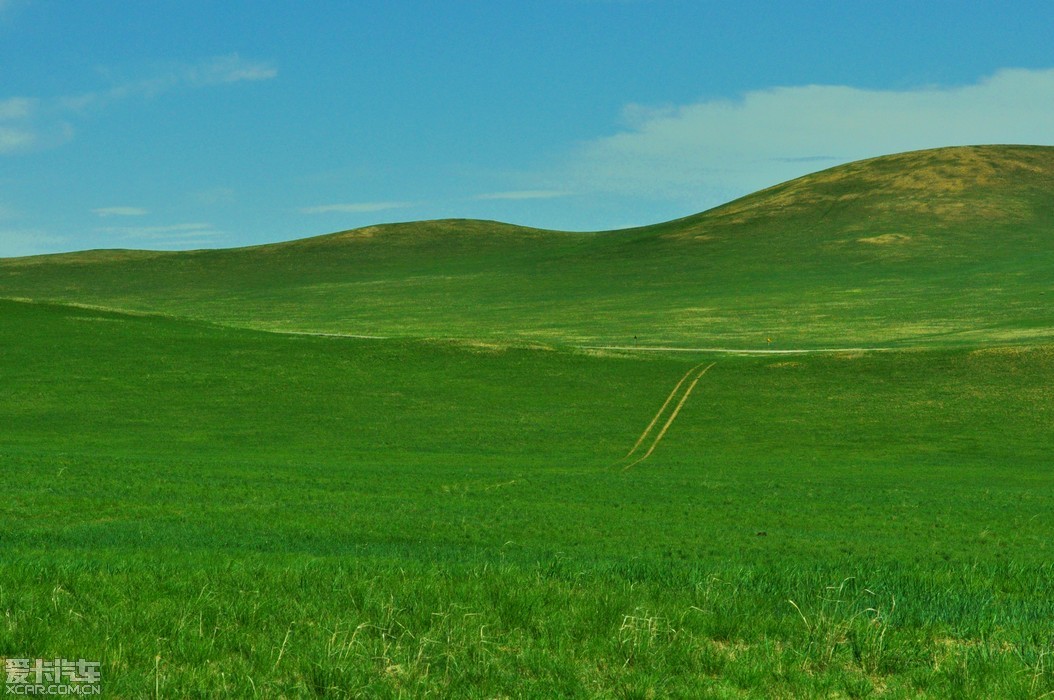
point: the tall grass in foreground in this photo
(391, 627)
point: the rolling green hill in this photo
(947, 246)
(460, 508)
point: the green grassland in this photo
(214, 509)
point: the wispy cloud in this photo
(355, 207)
(173, 236)
(33, 122)
(711, 151)
(120, 211)
(523, 194)
(19, 242)
(228, 69)
(16, 132)
(17, 108)
(196, 231)
(15, 139)
(219, 70)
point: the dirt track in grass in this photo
(673, 415)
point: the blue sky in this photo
(193, 124)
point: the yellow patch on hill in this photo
(359, 233)
(939, 183)
(886, 239)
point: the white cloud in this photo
(714, 150)
(355, 208)
(27, 122)
(523, 194)
(120, 211)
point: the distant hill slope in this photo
(952, 245)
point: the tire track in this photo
(644, 435)
(673, 416)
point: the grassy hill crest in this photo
(943, 245)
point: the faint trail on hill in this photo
(736, 351)
(673, 416)
(658, 415)
(624, 348)
(315, 334)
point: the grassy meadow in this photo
(213, 509)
